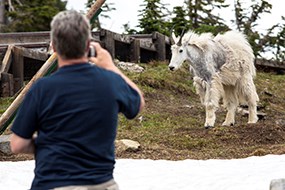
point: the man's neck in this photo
(67, 62)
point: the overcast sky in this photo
(127, 12)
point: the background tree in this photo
(107, 7)
(195, 15)
(179, 22)
(32, 15)
(201, 17)
(276, 43)
(246, 21)
(128, 29)
(153, 17)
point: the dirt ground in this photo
(242, 140)
(181, 139)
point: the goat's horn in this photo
(179, 43)
(171, 38)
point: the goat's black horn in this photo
(179, 43)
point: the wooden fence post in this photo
(107, 37)
(18, 69)
(159, 42)
(135, 51)
(7, 85)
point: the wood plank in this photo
(19, 37)
(122, 38)
(94, 8)
(147, 44)
(7, 59)
(141, 36)
(33, 54)
(269, 63)
(3, 47)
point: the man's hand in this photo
(103, 58)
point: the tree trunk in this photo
(2, 12)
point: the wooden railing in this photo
(21, 57)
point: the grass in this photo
(5, 103)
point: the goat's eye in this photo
(181, 50)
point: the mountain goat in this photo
(223, 67)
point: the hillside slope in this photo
(171, 126)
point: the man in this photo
(75, 112)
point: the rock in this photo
(132, 67)
(5, 144)
(188, 106)
(277, 184)
(140, 118)
(244, 112)
(127, 145)
(280, 122)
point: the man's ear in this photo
(87, 46)
(52, 47)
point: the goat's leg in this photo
(252, 107)
(230, 102)
(212, 98)
(200, 87)
(210, 115)
(252, 99)
(252, 117)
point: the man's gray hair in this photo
(70, 32)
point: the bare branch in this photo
(19, 2)
(11, 8)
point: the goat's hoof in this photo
(253, 121)
(209, 127)
(228, 124)
(261, 116)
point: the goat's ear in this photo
(175, 38)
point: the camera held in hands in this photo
(91, 52)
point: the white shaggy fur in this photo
(223, 67)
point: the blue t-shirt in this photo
(75, 112)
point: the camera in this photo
(91, 52)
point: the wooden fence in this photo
(22, 54)
(135, 48)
